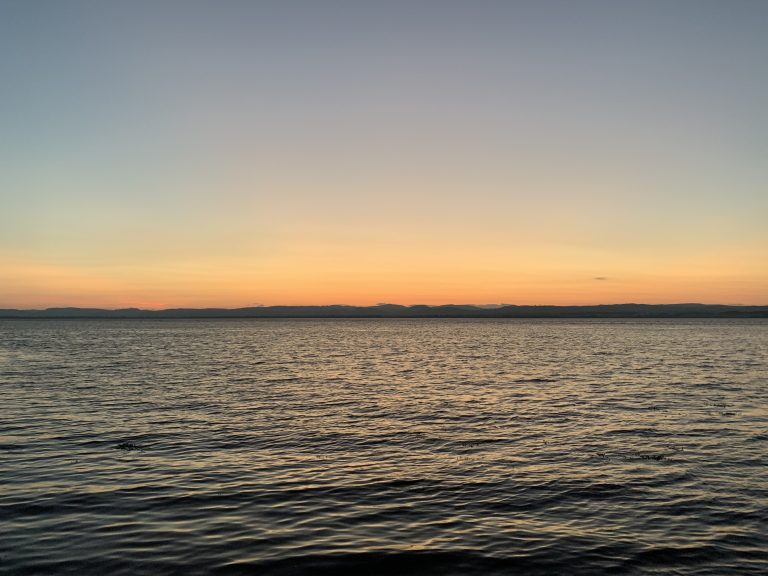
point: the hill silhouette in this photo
(415, 311)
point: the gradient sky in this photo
(226, 153)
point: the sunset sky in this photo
(227, 153)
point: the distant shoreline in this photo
(397, 311)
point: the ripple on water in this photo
(384, 447)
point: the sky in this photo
(229, 153)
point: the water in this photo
(384, 447)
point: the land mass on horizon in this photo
(691, 310)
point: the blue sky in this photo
(167, 153)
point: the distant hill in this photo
(416, 311)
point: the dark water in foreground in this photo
(384, 447)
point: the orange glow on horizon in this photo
(198, 286)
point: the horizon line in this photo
(486, 306)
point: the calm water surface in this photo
(384, 447)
